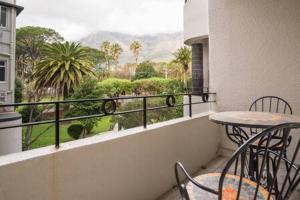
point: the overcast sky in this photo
(77, 18)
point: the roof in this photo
(18, 8)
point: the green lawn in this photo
(48, 138)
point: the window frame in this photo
(5, 70)
(6, 23)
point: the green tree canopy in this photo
(63, 67)
(183, 56)
(145, 70)
(116, 51)
(87, 89)
(18, 90)
(96, 56)
(155, 86)
(111, 52)
(30, 41)
(115, 87)
(136, 48)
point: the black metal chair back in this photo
(278, 183)
(271, 104)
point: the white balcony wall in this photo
(131, 165)
(195, 21)
(254, 51)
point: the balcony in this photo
(130, 161)
(254, 51)
(132, 164)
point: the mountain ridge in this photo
(156, 47)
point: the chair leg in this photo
(286, 165)
(276, 190)
(236, 165)
(184, 193)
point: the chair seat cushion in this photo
(230, 188)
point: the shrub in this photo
(154, 86)
(18, 91)
(114, 86)
(75, 131)
(88, 89)
(174, 86)
(132, 120)
(26, 111)
(145, 70)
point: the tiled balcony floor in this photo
(214, 166)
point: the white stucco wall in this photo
(254, 51)
(131, 165)
(195, 21)
(10, 139)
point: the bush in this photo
(154, 86)
(75, 131)
(132, 120)
(174, 86)
(18, 90)
(145, 70)
(115, 87)
(26, 110)
(88, 89)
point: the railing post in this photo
(190, 105)
(57, 125)
(145, 111)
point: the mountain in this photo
(157, 47)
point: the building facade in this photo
(250, 49)
(8, 12)
(196, 35)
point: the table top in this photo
(252, 119)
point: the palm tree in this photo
(116, 51)
(62, 67)
(183, 56)
(106, 48)
(136, 48)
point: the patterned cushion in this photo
(230, 188)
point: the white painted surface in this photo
(132, 165)
(254, 51)
(196, 108)
(195, 21)
(10, 139)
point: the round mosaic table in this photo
(230, 188)
(250, 119)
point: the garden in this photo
(54, 69)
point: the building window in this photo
(2, 71)
(3, 16)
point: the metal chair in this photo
(227, 186)
(272, 104)
(263, 104)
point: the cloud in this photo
(77, 18)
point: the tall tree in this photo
(106, 49)
(116, 51)
(30, 41)
(183, 56)
(97, 56)
(62, 67)
(136, 49)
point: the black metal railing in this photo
(105, 110)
